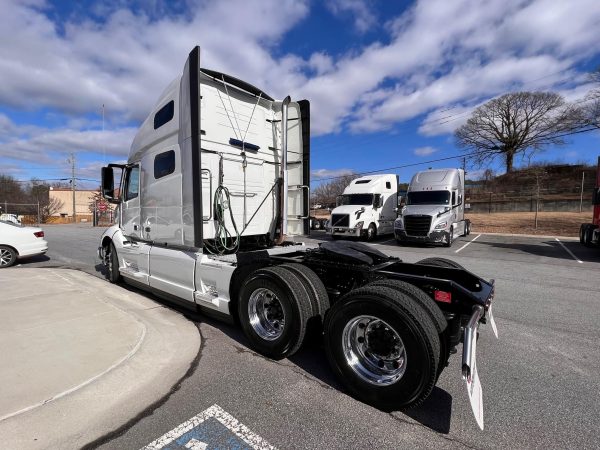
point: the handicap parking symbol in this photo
(212, 429)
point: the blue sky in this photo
(388, 81)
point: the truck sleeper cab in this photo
(209, 221)
(367, 208)
(434, 211)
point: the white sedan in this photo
(18, 241)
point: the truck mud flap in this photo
(469, 359)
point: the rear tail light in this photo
(39, 234)
(442, 296)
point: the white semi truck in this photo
(435, 209)
(367, 208)
(212, 196)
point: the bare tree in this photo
(514, 123)
(326, 193)
(50, 208)
(591, 104)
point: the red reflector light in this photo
(441, 296)
(39, 234)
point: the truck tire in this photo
(112, 270)
(589, 235)
(273, 309)
(316, 224)
(450, 238)
(426, 302)
(8, 256)
(582, 231)
(316, 289)
(371, 232)
(383, 347)
(440, 262)
(467, 230)
(429, 306)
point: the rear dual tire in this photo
(278, 305)
(383, 346)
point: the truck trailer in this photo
(589, 233)
(367, 208)
(435, 210)
(212, 201)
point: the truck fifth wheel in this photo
(213, 194)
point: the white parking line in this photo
(569, 251)
(472, 240)
(227, 420)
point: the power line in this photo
(464, 155)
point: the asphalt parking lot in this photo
(540, 379)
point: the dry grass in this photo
(549, 223)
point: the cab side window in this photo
(132, 183)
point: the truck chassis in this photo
(389, 327)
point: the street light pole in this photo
(73, 185)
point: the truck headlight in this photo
(359, 224)
(441, 225)
(398, 224)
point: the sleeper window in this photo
(164, 164)
(164, 114)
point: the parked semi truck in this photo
(589, 233)
(367, 208)
(211, 199)
(435, 210)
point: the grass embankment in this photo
(549, 223)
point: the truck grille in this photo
(340, 220)
(417, 225)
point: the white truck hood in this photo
(427, 210)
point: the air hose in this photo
(224, 241)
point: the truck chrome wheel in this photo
(374, 350)
(266, 314)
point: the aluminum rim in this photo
(374, 350)
(266, 314)
(6, 257)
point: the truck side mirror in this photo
(108, 185)
(338, 200)
(459, 199)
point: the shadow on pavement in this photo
(32, 260)
(548, 249)
(435, 413)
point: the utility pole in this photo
(581, 194)
(72, 160)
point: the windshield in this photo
(428, 198)
(355, 199)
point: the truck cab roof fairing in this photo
(236, 82)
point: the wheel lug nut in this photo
(361, 339)
(395, 364)
(380, 363)
(361, 325)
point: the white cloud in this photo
(359, 10)
(424, 151)
(317, 174)
(437, 53)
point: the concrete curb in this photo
(165, 345)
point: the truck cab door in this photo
(135, 251)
